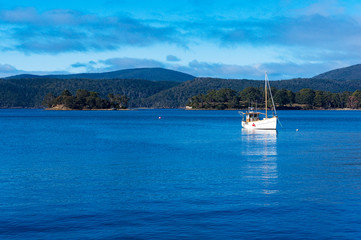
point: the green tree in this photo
(291, 96)
(66, 93)
(281, 97)
(353, 102)
(225, 95)
(118, 101)
(211, 96)
(82, 93)
(123, 102)
(68, 101)
(319, 99)
(357, 95)
(251, 94)
(111, 97)
(49, 100)
(233, 103)
(305, 96)
(345, 98)
(328, 100)
(336, 101)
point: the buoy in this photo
(297, 130)
(159, 118)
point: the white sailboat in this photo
(252, 120)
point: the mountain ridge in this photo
(347, 73)
(178, 95)
(162, 74)
(150, 74)
(29, 90)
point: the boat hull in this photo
(265, 124)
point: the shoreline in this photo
(180, 108)
(56, 109)
(331, 109)
(61, 107)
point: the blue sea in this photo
(176, 174)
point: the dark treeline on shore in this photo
(85, 100)
(30, 93)
(306, 98)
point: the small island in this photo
(85, 100)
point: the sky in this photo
(206, 38)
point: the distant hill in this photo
(178, 95)
(144, 93)
(347, 73)
(147, 87)
(151, 74)
(318, 84)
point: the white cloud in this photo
(59, 31)
(113, 64)
(172, 58)
(8, 70)
(276, 71)
(323, 7)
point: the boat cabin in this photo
(252, 116)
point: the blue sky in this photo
(208, 38)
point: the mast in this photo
(265, 91)
(270, 93)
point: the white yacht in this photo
(253, 120)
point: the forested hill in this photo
(30, 90)
(347, 73)
(151, 74)
(178, 95)
(143, 93)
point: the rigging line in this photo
(269, 89)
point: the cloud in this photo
(288, 70)
(7, 70)
(276, 71)
(219, 70)
(58, 31)
(125, 63)
(316, 39)
(28, 15)
(324, 8)
(79, 65)
(314, 31)
(113, 64)
(172, 58)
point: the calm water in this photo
(188, 175)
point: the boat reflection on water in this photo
(260, 142)
(260, 151)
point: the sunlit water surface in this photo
(175, 174)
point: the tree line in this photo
(306, 98)
(85, 100)
(30, 93)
